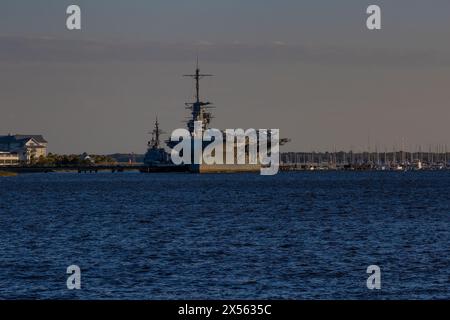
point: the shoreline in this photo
(8, 174)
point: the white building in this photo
(8, 159)
(27, 147)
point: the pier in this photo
(73, 168)
(94, 168)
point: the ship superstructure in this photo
(199, 109)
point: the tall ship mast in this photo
(155, 142)
(199, 109)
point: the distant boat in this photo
(156, 154)
(156, 158)
(419, 165)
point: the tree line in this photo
(73, 159)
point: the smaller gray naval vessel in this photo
(157, 159)
(156, 154)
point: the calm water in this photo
(184, 236)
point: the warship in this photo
(156, 154)
(158, 158)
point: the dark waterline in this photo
(244, 236)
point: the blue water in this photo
(184, 236)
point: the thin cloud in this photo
(48, 49)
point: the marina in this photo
(386, 161)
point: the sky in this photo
(310, 68)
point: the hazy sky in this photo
(310, 68)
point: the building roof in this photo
(5, 141)
(21, 138)
(37, 137)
